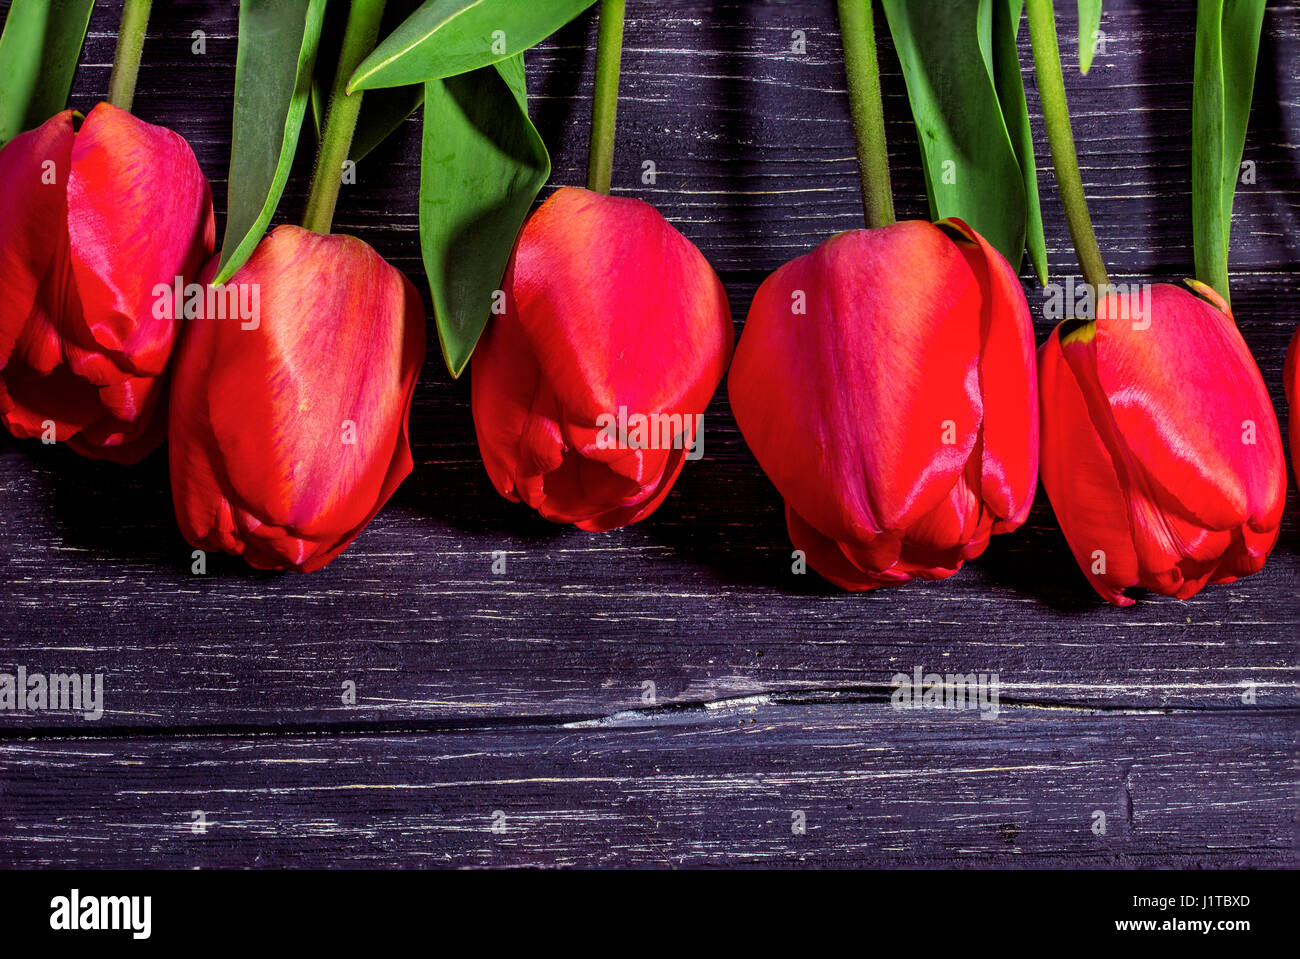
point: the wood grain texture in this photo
(752, 145)
(718, 787)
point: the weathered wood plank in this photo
(721, 787)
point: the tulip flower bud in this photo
(92, 223)
(288, 429)
(589, 389)
(885, 383)
(1161, 452)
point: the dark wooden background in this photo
(517, 699)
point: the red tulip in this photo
(885, 383)
(1161, 451)
(91, 222)
(611, 318)
(1291, 379)
(288, 431)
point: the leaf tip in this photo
(223, 274)
(456, 364)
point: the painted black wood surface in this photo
(523, 701)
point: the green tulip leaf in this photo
(447, 37)
(1089, 27)
(1227, 47)
(278, 42)
(1010, 85)
(39, 50)
(971, 167)
(482, 163)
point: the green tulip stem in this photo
(1056, 117)
(858, 35)
(604, 101)
(341, 119)
(126, 59)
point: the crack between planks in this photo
(881, 695)
(651, 716)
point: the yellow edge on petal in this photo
(1207, 292)
(1083, 333)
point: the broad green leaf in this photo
(945, 48)
(1015, 113)
(1089, 27)
(278, 41)
(446, 37)
(39, 50)
(481, 166)
(382, 111)
(1227, 47)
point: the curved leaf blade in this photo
(1227, 48)
(278, 41)
(482, 163)
(39, 50)
(1089, 29)
(447, 37)
(1010, 85)
(945, 49)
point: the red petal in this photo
(139, 215)
(618, 307)
(1008, 385)
(953, 522)
(1080, 474)
(505, 379)
(260, 417)
(134, 426)
(845, 407)
(79, 281)
(32, 216)
(35, 280)
(1181, 392)
(607, 306)
(843, 567)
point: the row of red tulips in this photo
(888, 386)
(886, 382)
